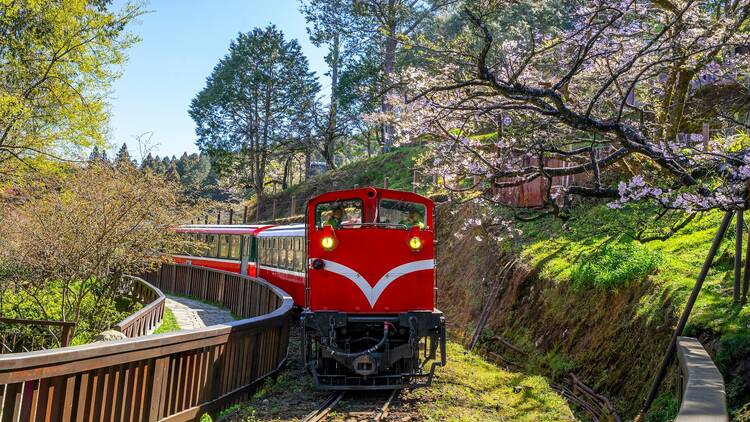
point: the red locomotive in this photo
(362, 270)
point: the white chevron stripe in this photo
(373, 293)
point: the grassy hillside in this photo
(397, 165)
(588, 299)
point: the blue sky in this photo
(182, 40)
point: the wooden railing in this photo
(700, 386)
(148, 318)
(169, 377)
(12, 341)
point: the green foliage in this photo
(664, 408)
(614, 265)
(58, 61)
(559, 365)
(98, 310)
(122, 158)
(252, 104)
(194, 172)
(68, 245)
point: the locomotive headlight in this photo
(415, 243)
(328, 242)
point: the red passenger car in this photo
(230, 248)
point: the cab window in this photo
(401, 214)
(339, 214)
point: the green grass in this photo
(468, 388)
(168, 323)
(593, 250)
(614, 266)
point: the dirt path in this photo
(191, 313)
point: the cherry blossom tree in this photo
(618, 92)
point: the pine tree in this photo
(148, 163)
(95, 154)
(122, 159)
(172, 174)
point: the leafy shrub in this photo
(614, 266)
(66, 247)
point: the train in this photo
(361, 272)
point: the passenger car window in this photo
(236, 243)
(339, 214)
(401, 214)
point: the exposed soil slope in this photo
(611, 337)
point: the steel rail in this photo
(383, 411)
(325, 408)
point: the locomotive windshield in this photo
(338, 214)
(401, 213)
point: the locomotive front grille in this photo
(343, 351)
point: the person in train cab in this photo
(335, 219)
(414, 218)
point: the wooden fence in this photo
(148, 318)
(167, 377)
(34, 334)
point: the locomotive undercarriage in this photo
(345, 351)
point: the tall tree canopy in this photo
(368, 43)
(57, 59)
(250, 103)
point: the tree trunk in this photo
(389, 62)
(307, 157)
(287, 171)
(329, 144)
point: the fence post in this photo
(222, 282)
(385, 182)
(159, 389)
(218, 217)
(273, 214)
(231, 215)
(66, 333)
(257, 211)
(244, 215)
(291, 207)
(738, 257)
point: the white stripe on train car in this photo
(205, 258)
(282, 271)
(373, 293)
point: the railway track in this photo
(360, 407)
